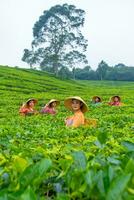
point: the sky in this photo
(109, 29)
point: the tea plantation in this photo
(41, 159)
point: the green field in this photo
(42, 159)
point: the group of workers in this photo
(75, 104)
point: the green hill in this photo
(40, 158)
(18, 84)
(32, 81)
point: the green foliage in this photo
(57, 35)
(118, 72)
(102, 70)
(42, 159)
(117, 187)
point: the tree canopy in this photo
(119, 72)
(58, 41)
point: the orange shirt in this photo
(76, 120)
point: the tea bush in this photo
(40, 158)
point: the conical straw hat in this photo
(32, 99)
(112, 98)
(94, 97)
(68, 103)
(54, 100)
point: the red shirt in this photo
(25, 110)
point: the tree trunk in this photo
(73, 73)
(31, 66)
(55, 67)
(101, 77)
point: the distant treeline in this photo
(119, 72)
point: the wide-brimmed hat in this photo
(112, 98)
(32, 99)
(94, 97)
(68, 103)
(54, 100)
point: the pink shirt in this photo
(116, 103)
(49, 110)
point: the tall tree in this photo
(102, 70)
(58, 41)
